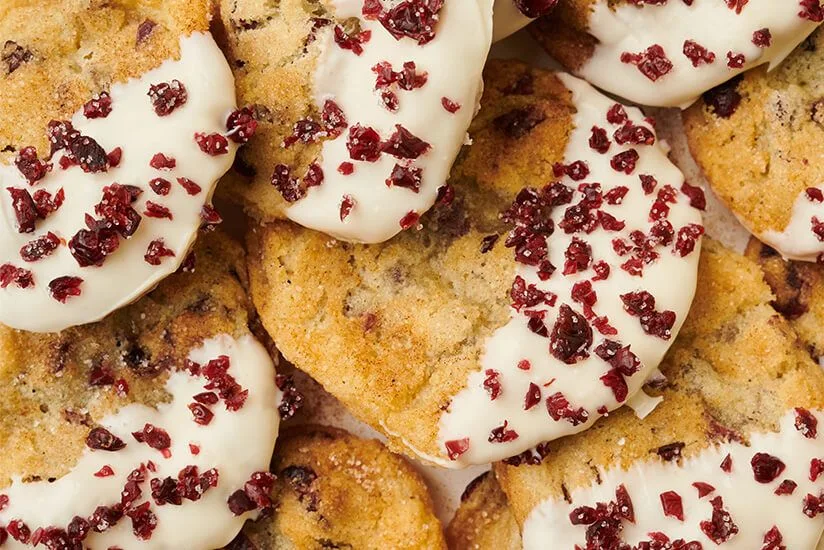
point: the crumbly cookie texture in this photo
(757, 140)
(54, 60)
(484, 519)
(799, 292)
(335, 490)
(736, 369)
(56, 387)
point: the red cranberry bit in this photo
(289, 187)
(687, 238)
(411, 219)
(207, 398)
(671, 451)
(19, 531)
(724, 99)
(642, 305)
(101, 439)
(156, 252)
(333, 119)
(492, 384)
(241, 125)
(762, 38)
(403, 144)
(637, 135)
(535, 8)
(154, 437)
(812, 505)
(101, 375)
(415, 19)
(314, 175)
(105, 517)
(143, 521)
(571, 336)
(703, 488)
(502, 435)
(735, 60)
(697, 53)
(773, 540)
(346, 206)
(806, 423)
(24, 208)
(304, 131)
(599, 141)
(194, 449)
(46, 204)
(352, 42)
(812, 10)
(32, 168)
(212, 144)
(720, 528)
(4, 502)
(346, 168)
(162, 162)
(191, 187)
(787, 487)
(456, 447)
(696, 196)
(737, 5)
(625, 162)
(488, 243)
(154, 210)
(105, 471)
(533, 396)
(87, 153)
(166, 492)
(672, 505)
(99, 106)
(617, 114)
(653, 63)
(292, 398)
(160, 186)
(578, 256)
(726, 464)
(114, 156)
(202, 415)
(21, 278)
(166, 97)
(766, 468)
(450, 106)
(816, 468)
(405, 176)
(364, 143)
(616, 195)
(40, 247)
(62, 288)
(144, 30)
(615, 382)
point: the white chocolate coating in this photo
(133, 126)
(453, 60)
(236, 443)
(671, 280)
(508, 19)
(798, 241)
(711, 24)
(754, 507)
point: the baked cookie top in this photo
(111, 152)
(667, 53)
(363, 107)
(455, 351)
(162, 413)
(736, 384)
(484, 519)
(335, 490)
(757, 139)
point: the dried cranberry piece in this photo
(450, 106)
(787, 487)
(24, 208)
(812, 10)
(735, 60)
(409, 220)
(502, 434)
(191, 187)
(492, 384)
(403, 144)
(415, 19)
(86, 152)
(21, 278)
(32, 168)
(78, 529)
(154, 210)
(46, 204)
(599, 141)
(154, 437)
(62, 288)
(571, 336)
(696, 196)
(99, 106)
(346, 168)
(92, 247)
(653, 62)
(166, 97)
(672, 505)
(144, 30)
(352, 42)
(762, 38)
(105, 517)
(364, 143)
(535, 8)
(19, 531)
(642, 305)
(671, 451)
(631, 133)
(288, 186)
(14, 55)
(703, 488)
(558, 407)
(720, 528)
(213, 144)
(625, 162)
(166, 491)
(162, 162)
(616, 195)
(806, 423)
(405, 176)
(143, 521)
(101, 439)
(615, 382)
(766, 468)
(726, 464)
(724, 99)
(160, 186)
(578, 256)
(201, 414)
(241, 125)
(156, 252)
(347, 203)
(687, 238)
(40, 247)
(697, 53)
(456, 447)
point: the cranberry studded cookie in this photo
(335, 490)
(668, 52)
(151, 429)
(539, 294)
(731, 457)
(758, 139)
(362, 105)
(110, 153)
(484, 519)
(512, 15)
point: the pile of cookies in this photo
(484, 261)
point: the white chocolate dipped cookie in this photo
(114, 201)
(479, 335)
(758, 140)
(363, 106)
(730, 458)
(512, 15)
(668, 52)
(151, 429)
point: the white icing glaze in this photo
(670, 279)
(133, 126)
(711, 24)
(508, 19)
(753, 506)
(798, 241)
(454, 61)
(236, 443)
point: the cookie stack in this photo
(483, 261)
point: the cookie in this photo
(667, 53)
(484, 519)
(165, 414)
(362, 107)
(756, 139)
(111, 154)
(335, 490)
(512, 15)
(729, 457)
(456, 352)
